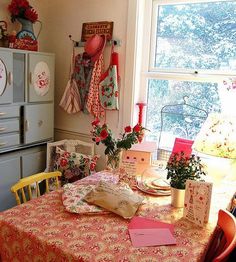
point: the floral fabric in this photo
(73, 199)
(82, 73)
(42, 230)
(93, 102)
(74, 165)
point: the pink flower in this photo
(96, 122)
(97, 139)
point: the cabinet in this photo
(16, 165)
(6, 79)
(10, 174)
(26, 116)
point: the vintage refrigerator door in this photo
(41, 75)
(6, 77)
(38, 123)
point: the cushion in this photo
(117, 198)
(74, 166)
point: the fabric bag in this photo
(70, 100)
(108, 86)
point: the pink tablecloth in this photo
(41, 230)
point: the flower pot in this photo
(177, 197)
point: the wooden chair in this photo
(25, 185)
(224, 238)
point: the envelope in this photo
(144, 223)
(151, 237)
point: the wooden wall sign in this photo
(100, 28)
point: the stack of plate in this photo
(158, 187)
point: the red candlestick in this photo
(140, 114)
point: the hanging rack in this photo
(188, 117)
(82, 43)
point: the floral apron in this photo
(83, 73)
(108, 87)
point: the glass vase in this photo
(114, 160)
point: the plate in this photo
(156, 192)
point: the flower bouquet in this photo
(22, 9)
(102, 134)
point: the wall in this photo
(61, 19)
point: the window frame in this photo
(148, 43)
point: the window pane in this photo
(164, 93)
(196, 36)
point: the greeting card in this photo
(197, 201)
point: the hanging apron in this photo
(70, 100)
(93, 102)
(83, 73)
(108, 86)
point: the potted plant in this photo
(179, 169)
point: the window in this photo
(191, 59)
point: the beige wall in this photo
(62, 18)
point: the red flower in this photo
(128, 129)
(137, 128)
(63, 162)
(92, 166)
(103, 134)
(95, 122)
(31, 15)
(22, 9)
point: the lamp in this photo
(217, 137)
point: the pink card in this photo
(151, 237)
(142, 223)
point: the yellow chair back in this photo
(27, 182)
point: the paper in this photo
(145, 223)
(151, 237)
(197, 201)
(130, 166)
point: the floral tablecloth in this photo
(42, 230)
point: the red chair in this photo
(184, 145)
(224, 238)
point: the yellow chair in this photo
(26, 183)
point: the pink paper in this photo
(151, 237)
(142, 223)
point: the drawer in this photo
(9, 111)
(33, 163)
(9, 140)
(9, 126)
